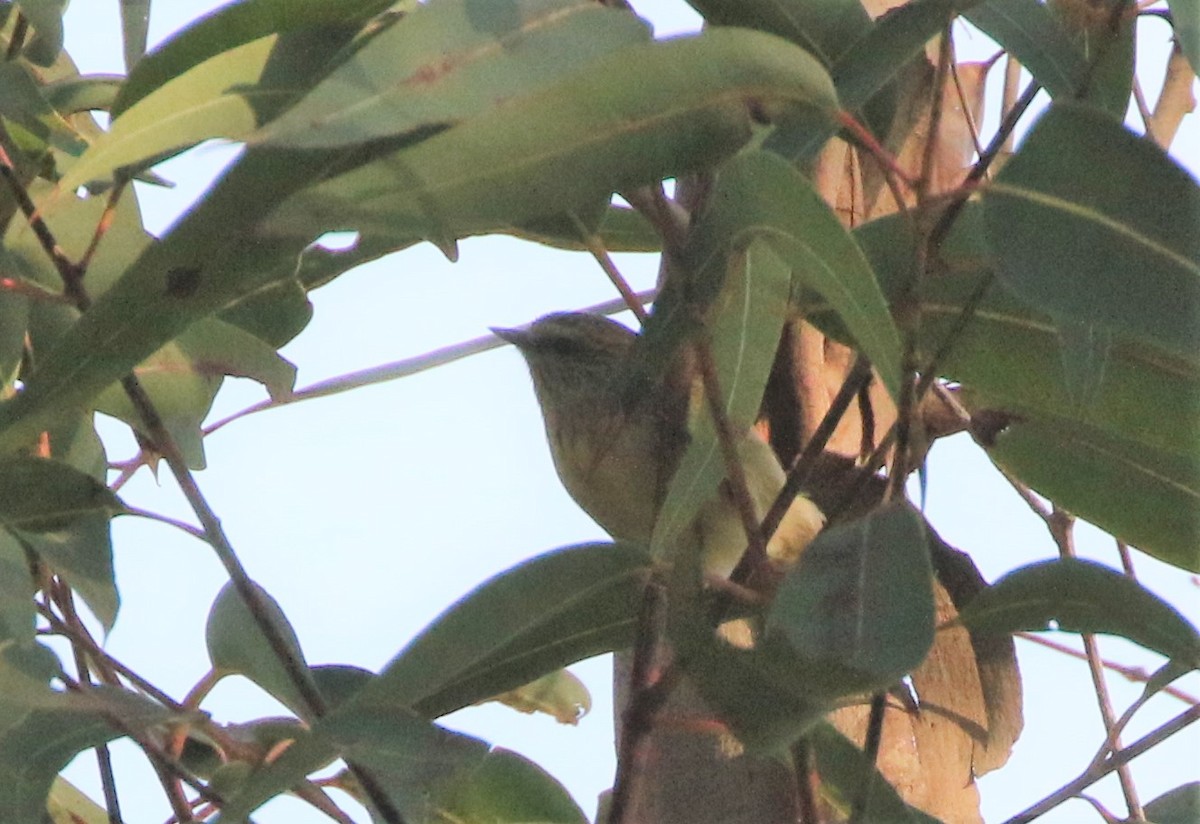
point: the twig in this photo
(874, 737)
(644, 702)
(1106, 765)
(1061, 525)
(1135, 674)
(735, 472)
(593, 244)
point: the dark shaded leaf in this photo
(1090, 223)
(1186, 17)
(825, 28)
(1178, 806)
(1032, 33)
(1083, 596)
(544, 614)
(844, 770)
(94, 92)
(46, 18)
(860, 602)
(37, 494)
(1145, 497)
(135, 27)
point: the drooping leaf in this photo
(37, 494)
(601, 128)
(236, 645)
(1186, 18)
(33, 752)
(1146, 497)
(823, 28)
(1031, 33)
(230, 26)
(559, 694)
(47, 41)
(1178, 806)
(843, 768)
(17, 611)
(449, 61)
(860, 602)
(745, 322)
(183, 377)
(135, 28)
(507, 787)
(226, 96)
(29, 117)
(899, 35)
(544, 614)
(1083, 596)
(1009, 355)
(210, 260)
(1091, 223)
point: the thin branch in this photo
(871, 743)
(596, 247)
(1134, 674)
(644, 702)
(1104, 766)
(1061, 525)
(735, 472)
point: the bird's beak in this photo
(519, 338)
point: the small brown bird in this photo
(615, 446)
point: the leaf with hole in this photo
(1083, 596)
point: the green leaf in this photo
(25, 672)
(1145, 497)
(209, 260)
(1009, 357)
(507, 787)
(38, 495)
(227, 28)
(236, 645)
(33, 752)
(135, 27)
(46, 18)
(17, 612)
(1178, 806)
(843, 768)
(183, 377)
(1033, 34)
(897, 37)
(559, 694)
(24, 106)
(218, 98)
(449, 61)
(859, 604)
(745, 323)
(599, 129)
(544, 614)
(67, 805)
(824, 28)
(94, 92)
(1083, 596)
(1093, 224)
(1185, 15)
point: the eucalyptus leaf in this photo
(449, 61)
(1092, 223)
(1083, 596)
(601, 128)
(236, 645)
